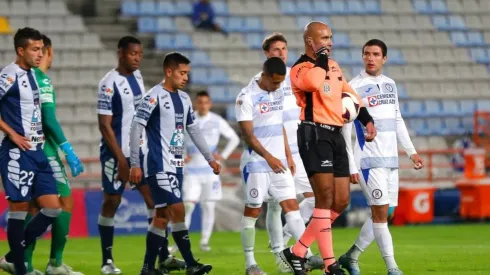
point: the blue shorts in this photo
(109, 173)
(165, 188)
(25, 175)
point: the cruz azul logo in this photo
(270, 106)
(381, 99)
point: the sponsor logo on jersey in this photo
(177, 141)
(152, 101)
(381, 99)
(177, 163)
(270, 106)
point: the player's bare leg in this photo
(106, 230)
(250, 215)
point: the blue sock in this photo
(181, 237)
(106, 231)
(154, 241)
(15, 235)
(163, 254)
(39, 224)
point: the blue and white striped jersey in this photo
(20, 106)
(165, 115)
(119, 96)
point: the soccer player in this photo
(318, 84)
(267, 163)
(164, 113)
(378, 160)
(275, 45)
(25, 170)
(120, 92)
(200, 183)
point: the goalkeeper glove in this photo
(72, 159)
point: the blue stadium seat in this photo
(147, 24)
(222, 21)
(287, 7)
(435, 126)
(453, 126)
(165, 41)
(456, 22)
(254, 40)
(415, 109)
(292, 58)
(200, 58)
(166, 24)
(395, 56)
(183, 7)
(468, 107)
(129, 8)
(342, 56)
(166, 8)
(252, 24)
(200, 76)
(301, 21)
(483, 105)
(220, 8)
(235, 23)
(433, 107)
(418, 125)
(230, 112)
(468, 124)
(341, 39)
(183, 41)
(321, 7)
(440, 22)
(421, 6)
(438, 6)
(450, 108)
(402, 92)
(459, 39)
(355, 70)
(479, 55)
(218, 93)
(304, 7)
(218, 76)
(372, 6)
(475, 38)
(356, 56)
(355, 7)
(338, 7)
(147, 8)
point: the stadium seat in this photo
(453, 126)
(37, 8)
(438, 6)
(341, 39)
(468, 124)
(254, 40)
(475, 38)
(450, 108)
(230, 112)
(164, 41)
(483, 105)
(419, 126)
(148, 7)
(183, 41)
(355, 7)
(468, 107)
(252, 24)
(287, 7)
(321, 7)
(166, 24)
(220, 8)
(166, 8)
(372, 7)
(183, 8)
(304, 7)
(129, 8)
(421, 6)
(479, 55)
(57, 7)
(200, 58)
(338, 7)
(435, 126)
(433, 108)
(147, 24)
(200, 76)
(218, 76)
(415, 109)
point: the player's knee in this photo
(252, 210)
(341, 203)
(51, 212)
(160, 222)
(111, 203)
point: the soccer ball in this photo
(350, 107)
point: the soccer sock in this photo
(15, 236)
(365, 238)
(39, 223)
(163, 254)
(59, 237)
(385, 243)
(273, 223)
(333, 216)
(296, 226)
(300, 248)
(208, 216)
(189, 209)
(248, 240)
(29, 250)
(154, 241)
(149, 214)
(106, 231)
(306, 209)
(181, 237)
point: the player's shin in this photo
(29, 250)
(15, 236)
(154, 241)
(180, 234)
(365, 238)
(274, 226)
(59, 231)
(248, 240)
(106, 231)
(39, 224)
(208, 217)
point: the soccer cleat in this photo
(394, 271)
(110, 268)
(334, 269)
(295, 263)
(6, 266)
(254, 270)
(314, 263)
(351, 265)
(173, 249)
(171, 264)
(205, 247)
(35, 272)
(61, 270)
(198, 269)
(281, 265)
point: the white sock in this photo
(189, 209)
(385, 243)
(306, 209)
(365, 238)
(273, 223)
(207, 209)
(248, 240)
(296, 227)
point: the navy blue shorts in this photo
(109, 173)
(25, 175)
(165, 188)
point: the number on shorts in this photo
(26, 175)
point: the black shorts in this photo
(322, 149)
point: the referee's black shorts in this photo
(322, 149)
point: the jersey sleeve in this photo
(7, 80)
(244, 107)
(191, 118)
(46, 96)
(307, 78)
(105, 95)
(146, 108)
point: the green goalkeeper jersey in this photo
(53, 133)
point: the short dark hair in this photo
(274, 65)
(22, 36)
(174, 59)
(376, 42)
(126, 40)
(47, 41)
(202, 93)
(274, 37)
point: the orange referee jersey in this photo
(318, 93)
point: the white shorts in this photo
(301, 181)
(382, 186)
(204, 187)
(266, 186)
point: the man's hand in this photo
(418, 163)
(354, 178)
(122, 171)
(187, 159)
(21, 141)
(291, 166)
(370, 131)
(136, 174)
(276, 165)
(216, 167)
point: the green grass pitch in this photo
(431, 250)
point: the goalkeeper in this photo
(55, 139)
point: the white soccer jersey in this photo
(20, 106)
(165, 115)
(379, 95)
(212, 126)
(266, 111)
(119, 96)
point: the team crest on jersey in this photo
(153, 101)
(108, 91)
(389, 87)
(381, 99)
(177, 141)
(264, 108)
(326, 88)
